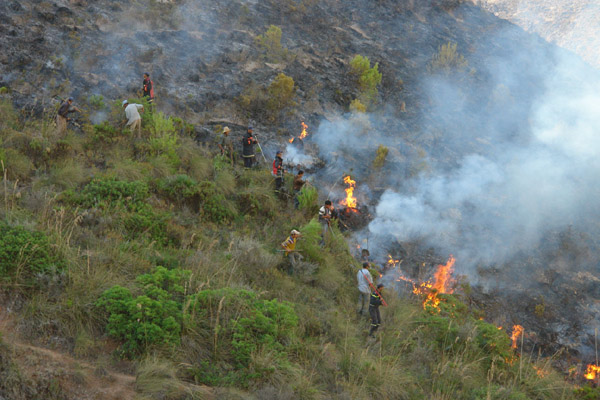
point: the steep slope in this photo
(572, 24)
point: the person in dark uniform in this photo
(248, 143)
(374, 304)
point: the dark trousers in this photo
(296, 200)
(375, 319)
(278, 183)
(248, 161)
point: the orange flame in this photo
(350, 200)
(391, 262)
(303, 134)
(517, 331)
(592, 371)
(291, 140)
(542, 373)
(441, 285)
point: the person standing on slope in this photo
(365, 282)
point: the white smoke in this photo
(506, 201)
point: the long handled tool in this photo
(260, 148)
(374, 289)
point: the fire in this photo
(391, 262)
(441, 284)
(517, 331)
(592, 371)
(303, 134)
(542, 373)
(350, 200)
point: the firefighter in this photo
(325, 214)
(226, 145)
(365, 282)
(289, 246)
(248, 143)
(374, 304)
(278, 170)
(148, 88)
(62, 117)
(298, 183)
(134, 120)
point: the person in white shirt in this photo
(134, 121)
(365, 282)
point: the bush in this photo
(110, 192)
(24, 255)
(163, 139)
(151, 319)
(308, 199)
(382, 152)
(269, 44)
(179, 188)
(105, 132)
(17, 164)
(214, 205)
(367, 78)
(147, 222)
(357, 107)
(238, 324)
(447, 61)
(281, 94)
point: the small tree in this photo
(380, 157)
(357, 107)
(269, 44)
(281, 94)
(447, 60)
(367, 78)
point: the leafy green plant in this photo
(25, 254)
(380, 156)
(269, 44)
(96, 101)
(357, 107)
(367, 78)
(179, 188)
(308, 198)
(214, 205)
(105, 132)
(163, 139)
(152, 318)
(281, 94)
(447, 60)
(109, 192)
(240, 324)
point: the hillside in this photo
(570, 24)
(150, 267)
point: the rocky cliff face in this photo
(572, 24)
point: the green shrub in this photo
(96, 101)
(105, 132)
(447, 60)
(238, 324)
(152, 318)
(281, 94)
(269, 44)
(357, 107)
(25, 255)
(179, 188)
(380, 156)
(145, 222)
(367, 78)
(214, 206)
(163, 138)
(17, 164)
(308, 199)
(110, 192)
